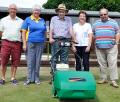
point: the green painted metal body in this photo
(74, 85)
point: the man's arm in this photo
(0, 34)
(51, 40)
(24, 39)
(117, 38)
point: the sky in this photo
(22, 3)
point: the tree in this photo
(95, 5)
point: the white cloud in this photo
(22, 3)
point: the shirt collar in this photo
(107, 19)
(33, 18)
(11, 18)
(59, 18)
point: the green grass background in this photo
(42, 92)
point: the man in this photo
(106, 32)
(60, 26)
(11, 42)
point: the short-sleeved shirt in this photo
(82, 33)
(61, 27)
(36, 29)
(105, 33)
(10, 28)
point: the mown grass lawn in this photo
(42, 92)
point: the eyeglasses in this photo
(103, 14)
(13, 8)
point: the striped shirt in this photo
(105, 33)
(61, 27)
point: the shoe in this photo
(37, 82)
(114, 84)
(14, 82)
(103, 81)
(2, 82)
(50, 82)
(27, 82)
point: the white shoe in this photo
(114, 84)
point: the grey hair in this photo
(104, 9)
(38, 7)
(13, 5)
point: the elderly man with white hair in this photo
(11, 42)
(34, 44)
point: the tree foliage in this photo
(93, 5)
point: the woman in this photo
(35, 43)
(83, 35)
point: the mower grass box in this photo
(74, 85)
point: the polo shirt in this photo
(105, 33)
(36, 28)
(10, 28)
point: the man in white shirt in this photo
(11, 42)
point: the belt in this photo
(63, 38)
(11, 41)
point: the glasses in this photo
(103, 14)
(12, 8)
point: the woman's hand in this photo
(87, 49)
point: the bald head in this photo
(12, 10)
(104, 14)
(12, 6)
(104, 10)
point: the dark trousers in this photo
(83, 61)
(62, 54)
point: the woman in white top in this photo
(83, 35)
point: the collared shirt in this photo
(33, 18)
(61, 27)
(10, 28)
(82, 33)
(37, 29)
(105, 33)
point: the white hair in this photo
(13, 6)
(36, 7)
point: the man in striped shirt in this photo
(106, 33)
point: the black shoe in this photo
(14, 82)
(50, 82)
(2, 82)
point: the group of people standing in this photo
(104, 32)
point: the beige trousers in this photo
(107, 58)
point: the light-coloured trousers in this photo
(34, 54)
(108, 58)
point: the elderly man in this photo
(106, 31)
(11, 42)
(60, 26)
